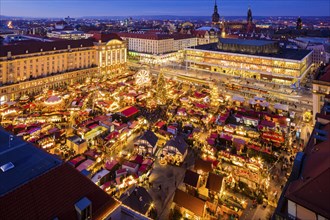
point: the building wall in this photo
(74, 35)
(297, 211)
(320, 89)
(319, 55)
(181, 44)
(111, 56)
(150, 46)
(161, 46)
(31, 72)
(248, 65)
(29, 66)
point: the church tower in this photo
(249, 21)
(299, 24)
(215, 15)
(249, 16)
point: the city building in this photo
(31, 66)
(111, 53)
(215, 15)
(64, 31)
(76, 143)
(206, 35)
(299, 24)
(157, 48)
(306, 193)
(317, 44)
(321, 88)
(258, 59)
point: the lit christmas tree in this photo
(214, 96)
(161, 90)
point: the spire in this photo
(299, 23)
(215, 16)
(249, 15)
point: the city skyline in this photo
(59, 8)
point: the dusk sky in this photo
(78, 8)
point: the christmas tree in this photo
(161, 90)
(214, 96)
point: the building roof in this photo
(182, 36)
(76, 139)
(214, 182)
(150, 137)
(129, 111)
(139, 200)
(54, 194)
(179, 143)
(39, 46)
(205, 28)
(105, 37)
(191, 178)
(189, 202)
(246, 42)
(29, 162)
(147, 36)
(205, 166)
(311, 189)
(322, 76)
(291, 54)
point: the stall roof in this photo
(129, 111)
(189, 202)
(99, 175)
(85, 165)
(191, 178)
(214, 182)
(238, 98)
(281, 107)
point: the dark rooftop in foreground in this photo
(29, 162)
(39, 186)
(291, 54)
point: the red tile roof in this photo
(35, 47)
(54, 194)
(106, 37)
(129, 111)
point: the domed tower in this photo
(299, 24)
(215, 15)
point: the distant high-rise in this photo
(215, 15)
(299, 24)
